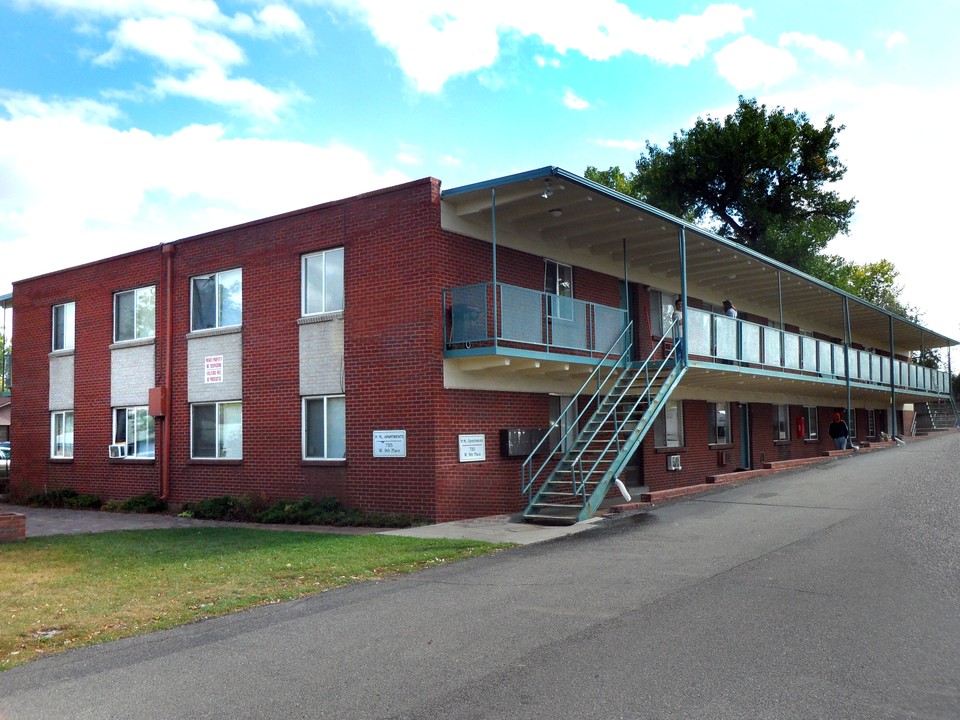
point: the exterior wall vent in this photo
(673, 462)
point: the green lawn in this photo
(66, 591)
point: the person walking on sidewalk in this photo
(839, 432)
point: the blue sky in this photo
(126, 123)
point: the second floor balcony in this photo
(489, 320)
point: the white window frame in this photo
(68, 329)
(218, 310)
(781, 422)
(151, 329)
(326, 427)
(560, 289)
(871, 423)
(713, 424)
(221, 452)
(317, 262)
(136, 448)
(811, 425)
(852, 424)
(60, 449)
(662, 435)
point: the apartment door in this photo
(746, 453)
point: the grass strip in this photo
(67, 591)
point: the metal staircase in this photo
(596, 454)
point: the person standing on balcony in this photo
(839, 432)
(728, 309)
(677, 315)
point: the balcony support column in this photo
(493, 233)
(893, 385)
(848, 333)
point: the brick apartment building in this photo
(406, 349)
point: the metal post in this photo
(683, 356)
(848, 336)
(893, 386)
(493, 223)
(626, 294)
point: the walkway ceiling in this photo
(561, 216)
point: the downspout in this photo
(626, 296)
(893, 386)
(493, 223)
(168, 251)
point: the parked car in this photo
(4, 460)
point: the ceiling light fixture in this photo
(555, 212)
(547, 190)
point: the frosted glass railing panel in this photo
(570, 330)
(521, 314)
(468, 314)
(808, 354)
(791, 351)
(875, 372)
(749, 342)
(825, 353)
(609, 324)
(771, 346)
(839, 363)
(698, 328)
(726, 337)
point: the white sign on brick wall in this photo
(213, 369)
(389, 443)
(473, 448)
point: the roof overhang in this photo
(562, 216)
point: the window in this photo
(322, 282)
(668, 427)
(781, 422)
(133, 427)
(661, 312)
(217, 300)
(217, 431)
(719, 421)
(811, 430)
(324, 428)
(61, 434)
(871, 423)
(64, 321)
(134, 314)
(852, 424)
(558, 282)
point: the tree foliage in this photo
(760, 178)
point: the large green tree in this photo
(762, 178)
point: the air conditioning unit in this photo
(673, 462)
(118, 450)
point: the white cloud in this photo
(123, 190)
(631, 145)
(748, 63)
(573, 102)
(190, 37)
(832, 52)
(894, 39)
(435, 40)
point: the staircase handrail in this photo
(576, 464)
(573, 427)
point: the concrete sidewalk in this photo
(494, 529)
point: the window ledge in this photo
(670, 450)
(720, 446)
(61, 460)
(131, 461)
(782, 442)
(62, 353)
(215, 461)
(323, 463)
(320, 317)
(209, 332)
(136, 342)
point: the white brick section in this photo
(321, 357)
(230, 346)
(132, 374)
(61, 382)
